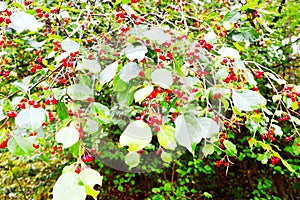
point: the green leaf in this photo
(238, 46)
(277, 130)
(245, 34)
(136, 136)
(90, 126)
(208, 149)
(295, 120)
(230, 148)
(288, 102)
(232, 16)
(67, 187)
(67, 136)
(166, 137)
(287, 165)
(119, 84)
(132, 159)
(168, 187)
(273, 77)
(20, 146)
(251, 4)
(62, 110)
(79, 92)
(178, 63)
(31, 118)
(162, 77)
(247, 100)
(3, 6)
(295, 147)
(101, 111)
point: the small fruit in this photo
(36, 146)
(54, 101)
(77, 170)
(12, 114)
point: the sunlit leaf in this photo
(141, 94)
(31, 118)
(136, 136)
(69, 45)
(166, 137)
(129, 71)
(162, 77)
(79, 92)
(157, 35)
(90, 65)
(67, 136)
(67, 187)
(247, 100)
(136, 51)
(208, 149)
(132, 159)
(187, 131)
(108, 73)
(20, 146)
(21, 21)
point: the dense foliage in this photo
(167, 99)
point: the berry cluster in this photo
(259, 74)
(275, 160)
(87, 158)
(219, 163)
(291, 93)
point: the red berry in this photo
(141, 73)
(163, 58)
(32, 69)
(218, 95)
(38, 10)
(31, 102)
(47, 102)
(77, 170)
(54, 101)
(157, 128)
(89, 157)
(150, 121)
(36, 105)
(170, 55)
(255, 88)
(157, 50)
(11, 114)
(40, 15)
(36, 146)
(287, 139)
(21, 105)
(255, 14)
(221, 146)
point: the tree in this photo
(157, 77)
